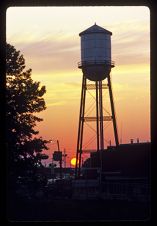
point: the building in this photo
(122, 172)
(129, 160)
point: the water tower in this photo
(96, 66)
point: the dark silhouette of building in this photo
(129, 160)
(123, 172)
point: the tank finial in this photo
(95, 23)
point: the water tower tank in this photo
(96, 53)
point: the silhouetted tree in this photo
(24, 98)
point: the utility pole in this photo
(60, 161)
(58, 145)
(64, 155)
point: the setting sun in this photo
(73, 161)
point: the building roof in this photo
(95, 29)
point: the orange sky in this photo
(48, 38)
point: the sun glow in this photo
(73, 161)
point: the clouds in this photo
(63, 94)
(54, 58)
(49, 36)
(51, 53)
(60, 51)
(131, 43)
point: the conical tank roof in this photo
(95, 29)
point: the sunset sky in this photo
(48, 37)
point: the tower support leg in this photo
(99, 120)
(113, 111)
(101, 116)
(80, 129)
(97, 114)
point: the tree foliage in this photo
(24, 98)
